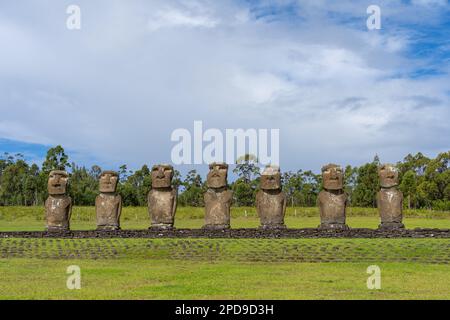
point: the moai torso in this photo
(108, 208)
(217, 208)
(271, 208)
(218, 198)
(390, 203)
(58, 210)
(162, 206)
(389, 199)
(332, 207)
(162, 199)
(270, 200)
(58, 206)
(332, 201)
(108, 204)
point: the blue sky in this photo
(112, 92)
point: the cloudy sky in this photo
(114, 91)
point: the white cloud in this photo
(176, 18)
(257, 88)
(115, 90)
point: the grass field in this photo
(223, 268)
(83, 218)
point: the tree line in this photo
(425, 182)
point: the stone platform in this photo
(235, 233)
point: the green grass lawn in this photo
(163, 279)
(83, 218)
(223, 268)
(24, 224)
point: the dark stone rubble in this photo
(236, 233)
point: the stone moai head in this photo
(388, 174)
(108, 181)
(162, 175)
(271, 178)
(57, 182)
(217, 175)
(333, 177)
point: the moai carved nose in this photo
(161, 173)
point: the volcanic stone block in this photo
(389, 198)
(217, 198)
(58, 206)
(108, 204)
(332, 201)
(162, 199)
(271, 200)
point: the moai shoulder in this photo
(115, 199)
(225, 196)
(328, 198)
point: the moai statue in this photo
(58, 206)
(332, 200)
(108, 204)
(217, 198)
(162, 199)
(270, 200)
(389, 199)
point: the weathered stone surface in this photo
(271, 200)
(217, 198)
(332, 201)
(58, 206)
(217, 208)
(108, 204)
(236, 233)
(162, 199)
(389, 198)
